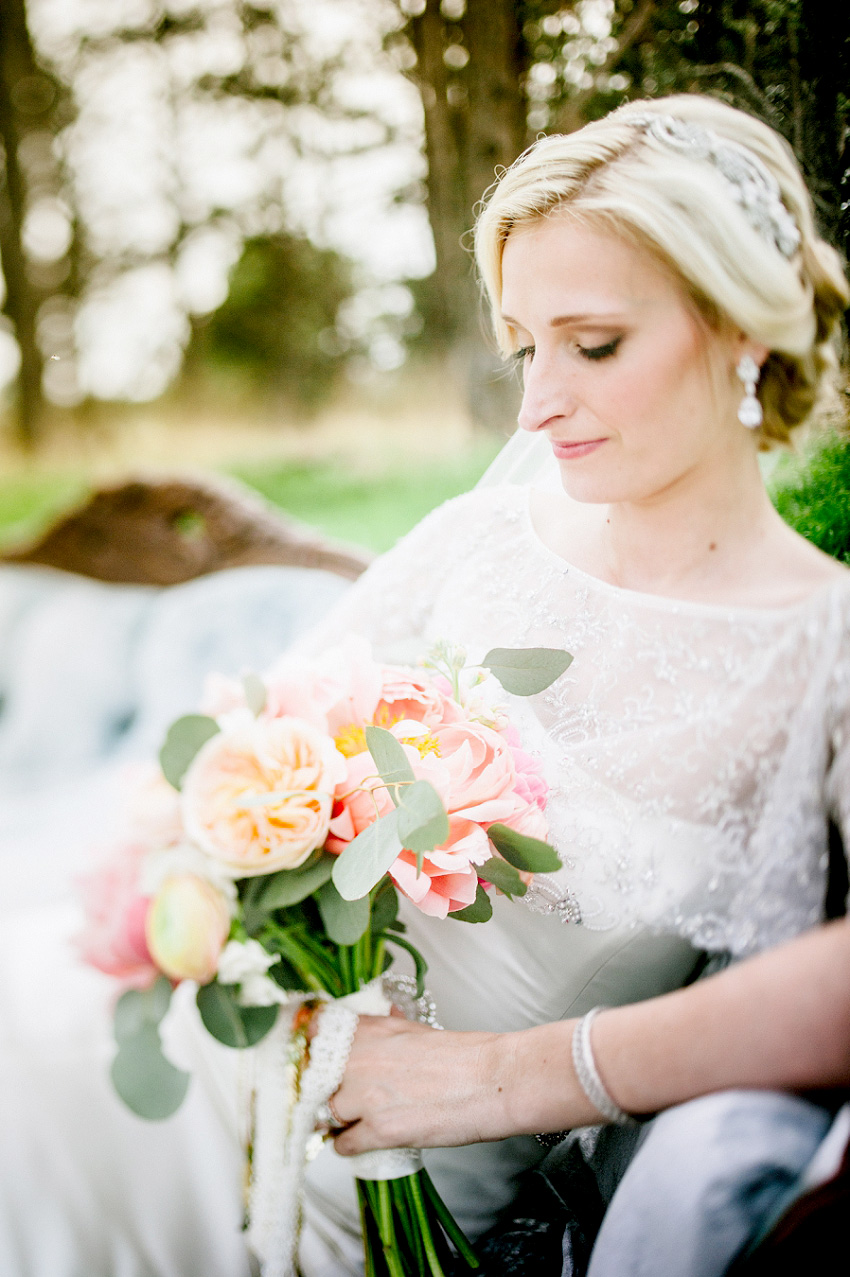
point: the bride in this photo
(659, 279)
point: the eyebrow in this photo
(561, 320)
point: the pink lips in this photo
(571, 451)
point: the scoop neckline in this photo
(666, 601)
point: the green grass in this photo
(29, 504)
(812, 493)
(372, 510)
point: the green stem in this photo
(431, 1255)
(410, 1214)
(385, 1223)
(447, 1221)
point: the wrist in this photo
(536, 1087)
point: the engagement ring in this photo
(328, 1119)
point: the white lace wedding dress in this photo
(694, 753)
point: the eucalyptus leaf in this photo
(146, 1081)
(182, 742)
(524, 671)
(384, 906)
(503, 876)
(291, 886)
(255, 693)
(481, 909)
(345, 920)
(367, 857)
(530, 854)
(422, 820)
(230, 1023)
(390, 758)
(419, 962)
(139, 1007)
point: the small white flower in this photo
(241, 959)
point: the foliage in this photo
(277, 328)
(812, 493)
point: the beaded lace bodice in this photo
(694, 752)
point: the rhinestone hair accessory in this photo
(750, 182)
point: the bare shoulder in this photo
(804, 569)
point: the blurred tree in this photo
(494, 74)
(277, 329)
(35, 237)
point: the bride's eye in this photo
(524, 352)
(599, 352)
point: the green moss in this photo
(812, 493)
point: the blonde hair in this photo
(613, 174)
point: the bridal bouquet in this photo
(264, 863)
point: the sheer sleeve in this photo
(838, 775)
(392, 601)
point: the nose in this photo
(546, 394)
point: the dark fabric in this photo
(541, 1235)
(811, 1237)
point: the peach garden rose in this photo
(258, 795)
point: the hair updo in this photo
(614, 175)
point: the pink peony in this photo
(257, 797)
(481, 769)
(113, 937)
(404, 696)
(448, 880)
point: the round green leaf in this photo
(524, 671)
(367, 858)
(225, 1020)
(344, 920)
(503, 876)
(146, 1081)
(422, 820)
(182, 742)
(529, 854)
(291, 886)
(389, 756)
(481, 909)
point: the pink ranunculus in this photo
(257, 796)
(530, 783)
(482, 772)
(407, 696)
(186, 927)
(113, 936)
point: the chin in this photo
(594, 489)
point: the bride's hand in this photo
(409, 1086)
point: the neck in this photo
(702, 533)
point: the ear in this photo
(745, 345)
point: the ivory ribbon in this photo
(285, 1122)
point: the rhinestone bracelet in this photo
(588, 1074)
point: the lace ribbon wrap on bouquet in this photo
(285, 1104)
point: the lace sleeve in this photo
(392, 601)
(838, 775)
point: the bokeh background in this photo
(234, 233)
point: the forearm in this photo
(779, 1021)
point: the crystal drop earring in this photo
(749, 410)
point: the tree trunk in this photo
(19, 74)
(474, 123)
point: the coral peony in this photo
(113, 937)
(258, 795)
(187, 925)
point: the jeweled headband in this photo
(750, 183)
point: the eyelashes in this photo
(600, 352)
(594, 353)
